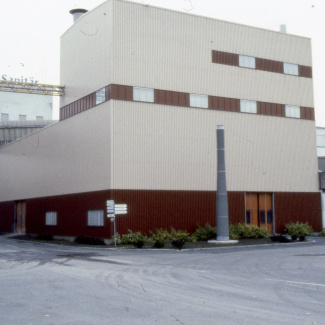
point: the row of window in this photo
(95, 218)
(164, 97)
(202, 101)
(250, 62)
(5, 117)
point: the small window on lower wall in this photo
(248, 106)
(292, 111)
(51, 218)
(95, 218)
(199, 100)
(4, 117)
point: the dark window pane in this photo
(269, 217)
(262, 217)
(248, 217)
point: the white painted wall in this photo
(133, 145)
(71, 156)
(163, 49)
(31, 105)
(174, 148)
(87, 54)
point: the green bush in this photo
(242, 231)
(135, 238)
(205, 233)
(118, 239)
(160, 238)
(298, 229)
(179, 237)
(89, 240)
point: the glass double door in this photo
(259, 211)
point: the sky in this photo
(31, 30)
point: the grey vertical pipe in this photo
(222, 199)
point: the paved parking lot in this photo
(273, 284)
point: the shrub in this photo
(89, 240)
(205, 233)
(118, 239)
(298, 229)
(160, 238)
(241, 231)
(179, 237)
(135, 238)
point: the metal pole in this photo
(114, 232)
(222, 199)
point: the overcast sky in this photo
(31, 31)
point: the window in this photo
(100, 96)
(96, 218)
(290, 68)
(143, 94)
(199, 101)
(292, 111)
(247, 61)
(4, 117)
(51, 218)
(22, 117)
(248, 106)
(39, 118)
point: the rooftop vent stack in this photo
(283, 29)
(77, 13)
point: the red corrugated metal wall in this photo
(301, 207)
(7, 217)
(148, 210)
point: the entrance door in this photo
(21, 217)
(259, 210)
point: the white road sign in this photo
(120, 209)
(110, 205)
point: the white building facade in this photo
(145, 88)
(25, 107)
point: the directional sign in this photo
(110, 204)
(112, 210)
(120, 209)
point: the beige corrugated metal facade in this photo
(172, 148)
(126, 145)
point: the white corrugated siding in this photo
(86, 54)
(174, 148)
(163, 49)
(72, 156)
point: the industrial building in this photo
(145, 89)
(25, 107)
(13, 130)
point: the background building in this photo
(12, 130)
(25, 107)
(145, 89)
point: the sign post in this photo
(112, 210)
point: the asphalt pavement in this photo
(269, 284)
